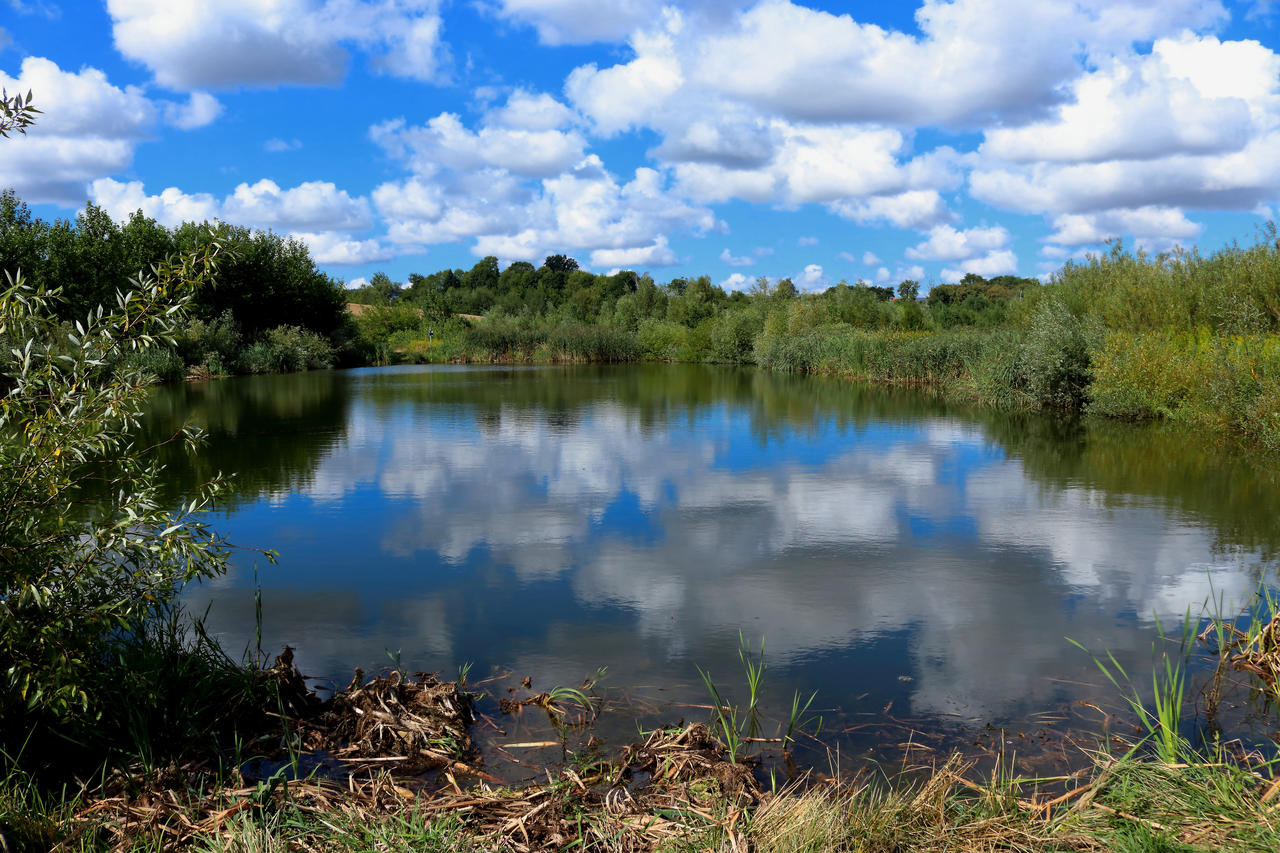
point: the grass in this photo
(1163, 720)
(1131, 805)
(1171, 797)
(1126, 804)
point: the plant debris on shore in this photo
(395, 776)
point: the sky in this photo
(872, 141)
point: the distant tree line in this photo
(690, 313)
(270, 308)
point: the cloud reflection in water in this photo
(556, 539)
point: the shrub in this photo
(72, 584)
(661, 340)
(380, 323)
(1145, 374)
(733, 336)
(211, 342)
(503, 340)
(287, 349)
(1057, 355)
(592, 343)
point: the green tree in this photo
(560, 263)
(24, 239)
(909, 290)
(87, 551)
(483, 274)
(271, 281)
(385, 291)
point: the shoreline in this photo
(392, 762)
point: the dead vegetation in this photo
(1257, 651)
(421, 724)
(401, 773)
(675, 785)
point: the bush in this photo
(287, 349)
(1145, 375)
(378, 324)
(212, 343)
(74, 584)
(503, 341)
(661, 340)
(1057, 355)
(733, 336)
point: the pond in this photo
(920, 565)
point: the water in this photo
(918, 565)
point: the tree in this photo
(786, 289)
(908, 290)
(483, 274)
(385, 290)
(560, 263)
(88, 553)
(270, 281)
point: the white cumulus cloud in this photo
(523, 137)
(334, 248)
(92, 131)
(1001, 262)
(310, 206)
(200, 109)
(658, 254)
(227, 43)
(946, 243)
(1078, 229)
(811, 278)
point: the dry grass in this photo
(404, 785)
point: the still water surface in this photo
(913, 562)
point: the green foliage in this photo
(380, 323)
(1229, 383)
(591, 343)
(1234, 291)
(504, 341)
(287, 349)
(861, 306)
(733, 335)
(88, 553)
(1057, 354)
(213, 344)
(267, 282)
(16, 113)
(160, 363)
(271, 282)
(911, 317)
(660, 340)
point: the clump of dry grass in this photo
(944, 811)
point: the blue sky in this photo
(875, 141)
